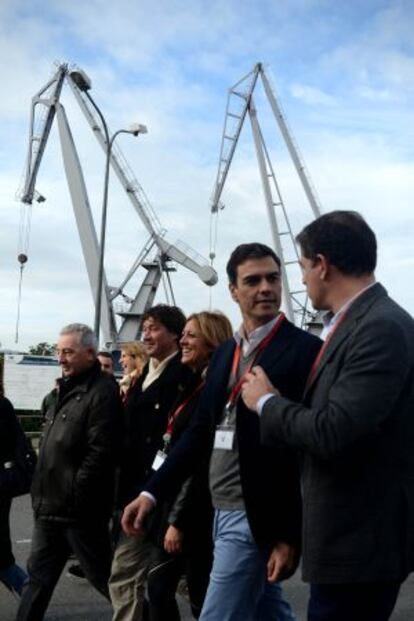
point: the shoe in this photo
(75, 571)
(14, 578)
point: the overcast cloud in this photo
(344, 75)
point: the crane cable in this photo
(213, 247)
(22, 257)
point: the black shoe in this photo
(75, 571)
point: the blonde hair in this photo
(214, 327)
(137, 351)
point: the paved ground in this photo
(77, 601)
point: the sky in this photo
(343, 74)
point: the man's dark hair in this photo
(171, 317)
(245, 252)
(344, 238)
(105, 354)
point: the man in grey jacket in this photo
(355, 428)
(72, 489)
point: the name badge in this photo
(224, 438)
(160, 458)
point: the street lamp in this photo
(83, 82)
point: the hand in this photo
(282, 562)
(134, 515)
(255, 385)
(173, 540)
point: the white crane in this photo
(157, 252)
(240, 104)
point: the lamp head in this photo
(82, 81)
(138, 128)
(39, 197)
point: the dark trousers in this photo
(163, 578)
(352, 602)
(6, 554)
(52, 543)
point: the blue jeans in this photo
(14, 578)
(238, 578)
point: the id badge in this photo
(160, 458)
(224, 437)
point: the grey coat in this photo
(356, 431)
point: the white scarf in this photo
(154, 372)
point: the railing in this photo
(32, 426)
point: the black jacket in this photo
(74, 477)
(145, 421)
(191, 511)
(8, 431)
(269, 475)
(8, 436)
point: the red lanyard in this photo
(179, 409)
(323, 348)
(235, 391)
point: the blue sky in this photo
(344, 75)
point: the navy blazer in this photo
(269, 475)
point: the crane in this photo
(240, 105)
(157, 252)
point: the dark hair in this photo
(171, 317)
(243, 253)
(105, 354)
(344, 238)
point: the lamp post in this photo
(84, 84)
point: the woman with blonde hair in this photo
(181, 528)
(133, 359)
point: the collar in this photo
(251, 341)
(154, 372)
(80, 381)
(329, 319)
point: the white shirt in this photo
(329, 319)
(251, 341)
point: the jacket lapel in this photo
(346, 328)
(269, 357)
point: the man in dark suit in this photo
(255, 489)
(355, 428)
(147, 405)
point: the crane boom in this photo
(240, 105)
(179, 252)
(38, 140)
(48, 101)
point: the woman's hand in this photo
(173, 540)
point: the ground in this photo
(75, 600)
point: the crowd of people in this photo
(228, 458)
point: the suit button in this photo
(148, 440)
(157, 406)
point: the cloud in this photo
(346, 91)
(311, 96)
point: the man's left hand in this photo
(282, 563)
(256, 384)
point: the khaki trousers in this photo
(128, 577)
